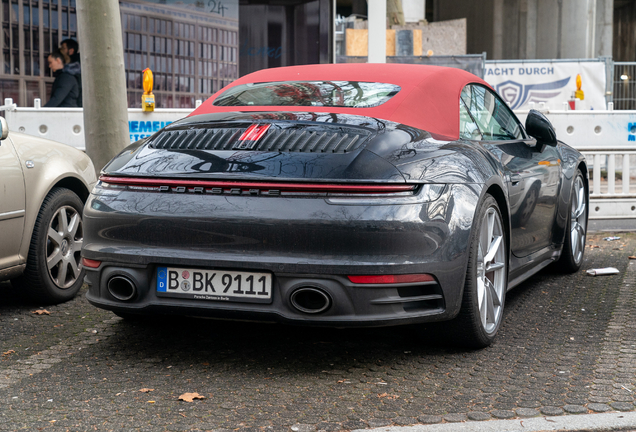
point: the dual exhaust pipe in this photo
(308, 300)
(122, 288)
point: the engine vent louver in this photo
(275, 140)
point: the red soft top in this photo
(428, 99)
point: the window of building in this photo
(190, 58)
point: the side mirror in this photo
(4, 129)
(539, 127)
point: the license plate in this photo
(214, 284)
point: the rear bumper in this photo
(301, 242)
(350, 304)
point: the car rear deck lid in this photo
(316, 139)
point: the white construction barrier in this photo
(591, 129)
(66, 125)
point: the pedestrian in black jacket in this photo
(70, 50)
(65, 91)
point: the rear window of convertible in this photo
(350, 94)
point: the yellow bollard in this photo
(147, 99)
(579, 94)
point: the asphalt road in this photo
(567, 347)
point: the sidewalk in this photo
(612, 225)
(574, 423)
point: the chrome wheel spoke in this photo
(75, 267)
(493, 249)
(493, 295)
(55, 236)
(482, 302)
(494, 266)
(61, 274)
(76, 220)
(580, 198)
(481, 292)
(62, 221)
(55, 258)
(492, 300)
(579, 208)
(578, 237)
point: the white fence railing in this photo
(612, 186)
(607, 138)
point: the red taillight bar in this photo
(391, 279)
(91, 263)
(297, 187)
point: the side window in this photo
(494, 118)
(467, 127)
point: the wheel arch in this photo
(74, 184)
(494, 189)
(66, 181)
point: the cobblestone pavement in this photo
(567, 346)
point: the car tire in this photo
(486, 280)
(576, 232)
(54, 272)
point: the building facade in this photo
(192, 51)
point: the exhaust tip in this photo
(121, 288)
(310, 300)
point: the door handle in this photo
(515, 178)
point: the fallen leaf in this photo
(151, 401)
(594, 246)
(189, 397)
(388, 396)
(146, 390)
(632, 257)
(6, 353)
(41, 312)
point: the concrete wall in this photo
(534, 29)
(445, 37)
(479, 21)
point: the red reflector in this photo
(254, 132)
(90, 263)
(391, 279)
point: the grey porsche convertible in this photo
(338, 195)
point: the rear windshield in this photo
(351, 94)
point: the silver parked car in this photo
(43, 186)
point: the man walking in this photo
(70, 50)
(65, 91)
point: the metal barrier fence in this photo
(624, 86)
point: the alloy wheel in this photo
(63, 247)
(491, 270)
(578, 219)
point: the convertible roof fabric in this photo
(428, 99)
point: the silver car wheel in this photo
(578, 220)
(491, 270)
(63, 247)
